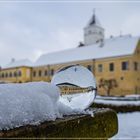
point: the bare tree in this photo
(108, 84)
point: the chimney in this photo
(101, 43)
(81, 44)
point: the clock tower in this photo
(93, 32)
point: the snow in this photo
(124, 98)
(76, 75)
(28, 103)
(118, 102)
(129, 126)
(132, 96)
(19, 63)
(79, 101)
(113, 47)
(33, 103)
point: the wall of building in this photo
(51, 69)
(123, 78)
(136, 73)
(16, 75)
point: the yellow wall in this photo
(130, 84)
(25, 75)
(43, 77)
(55, 68)
(123, 78)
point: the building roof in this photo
(18, 63)
(93, 21)
(112, 47)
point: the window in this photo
(89, 67)
(6, 74)
(111, 67)
(2, 75)
(89, 32)
(10, 74)
(125, 65)
(100, 68)
(15, 74)
(40, 73)
(135, 66)
(121, 78)
(34, 73)
(52, 71)
(45, 73)
(100, 33)
(19, 73)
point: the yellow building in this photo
(16, 72)
(115, 62)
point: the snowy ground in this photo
(117, 103)
(127, 100)
(129, 126)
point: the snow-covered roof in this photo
(112, 47)
(75, 75)
(19, 63)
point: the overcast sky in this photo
(29, 29)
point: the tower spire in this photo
(93, 19)
(94, 10)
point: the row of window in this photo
(11, 74)
(42, 73)
(124, 66)
(19, 74)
